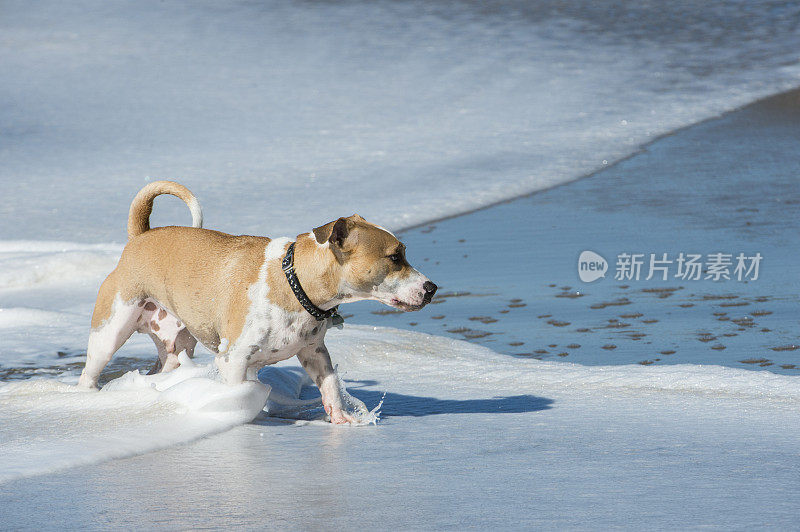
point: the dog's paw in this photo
(338, 416)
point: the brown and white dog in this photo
(181, 285)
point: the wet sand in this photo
(509, 278)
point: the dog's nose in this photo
(430, 288)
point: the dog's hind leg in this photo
(168, 333)
(169, 349)
(157, 367)
(161, 346)
(184, 341)
(113, 322)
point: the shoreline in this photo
(640, 150)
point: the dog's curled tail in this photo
(142, 205)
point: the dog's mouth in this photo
(405, 307)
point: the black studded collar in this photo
(294, 283)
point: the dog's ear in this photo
(322, 232)
(341, 228)
(336, 233)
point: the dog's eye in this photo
(395, 257)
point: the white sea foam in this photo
(29, 263)
(30, 318)
(47, 425)
(197, 390)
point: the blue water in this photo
(509, 273)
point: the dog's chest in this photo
(272, 334)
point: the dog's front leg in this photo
(232, 367)
(339, 405)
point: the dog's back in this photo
(211, 271)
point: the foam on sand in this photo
(48, 425)
(415, 359)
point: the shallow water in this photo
(509, 273)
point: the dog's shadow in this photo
(402, 405)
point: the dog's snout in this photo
(430, 289)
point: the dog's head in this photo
(373, 264)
